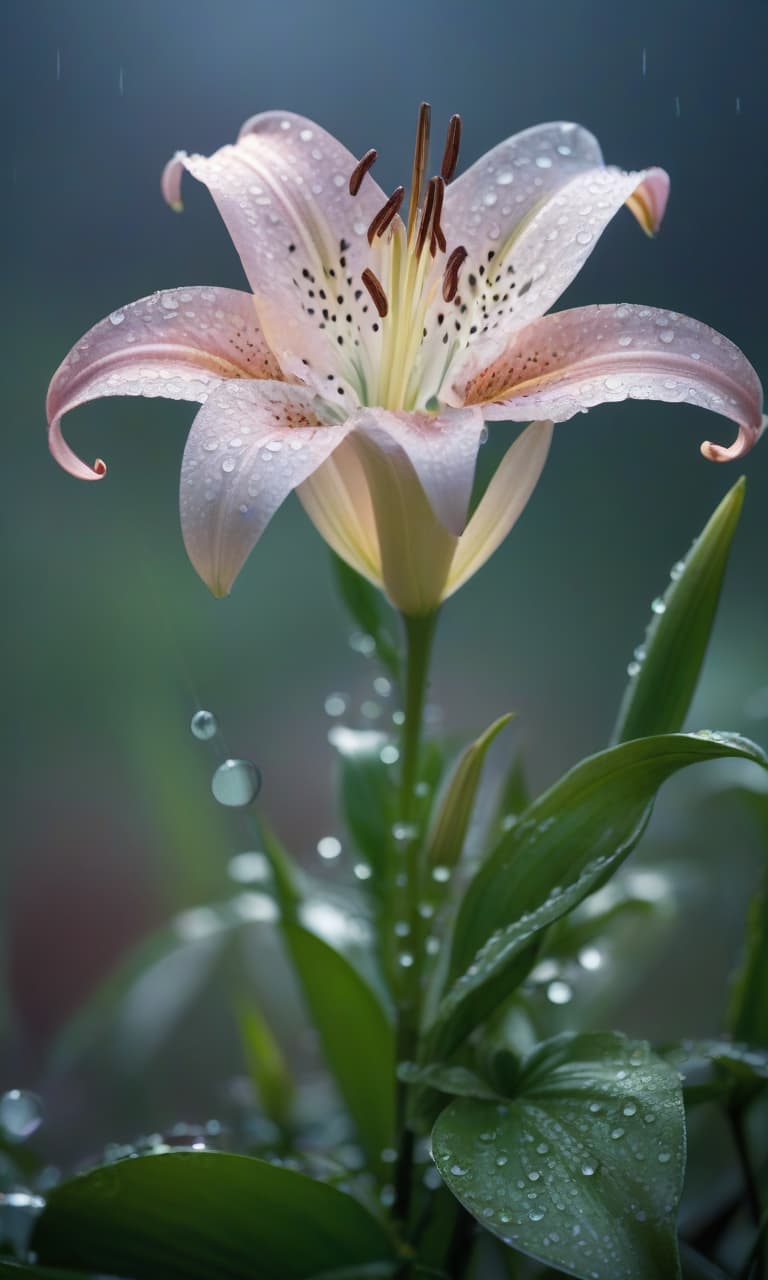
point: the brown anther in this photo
(375, 289)
(452, 144)
(436, 231)
(420, 154)
(451, 274)
(360, 170)
(386, 214)
(425, 226)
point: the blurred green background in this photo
(113, 641)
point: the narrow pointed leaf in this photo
(670, 659)
(266, 1064)
(446, 839)
(748, 1013)
(195, 1215)
(567, 845)
(371, 612)
(569, 1170)
(355, 1031)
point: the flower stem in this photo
(419, 632)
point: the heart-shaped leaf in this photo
(193, 1216)
(566, 845)
(583, 1167)
(665, 669)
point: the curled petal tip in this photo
(722, 453)
(68, 459)
(170, 182)
(100, 468)
(649, 201)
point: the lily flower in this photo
(363, 364)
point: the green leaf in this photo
(446, 838)
(566, 845)
(748, 1012)
(368, 795)
(670, 659)
(355, 1031)
(266, 1064)
(514, 798)
(371, 612)
(459, 1082)
(193, 1216)
(583, 1167)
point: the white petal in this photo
(502, 503)
(250, 445)
(338, 502)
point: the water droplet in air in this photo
(21, 1114)
(329, 847)
(389, 755)
(204, 725)
(335, 704)
(441, 874)
(362, 871)
(590, 958)
(559, 993)
(236, 783)
(248, 868)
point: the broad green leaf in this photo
(371, 612)
(266, 1064)
(566, 845)
(446, 838)
(667, 664)
(583, 1167)
(193, 1216)
(356, 1034)
(514, 798)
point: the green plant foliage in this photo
(193, 1216)
(371, 612)
(266, 1065)
(748, 1013)
(582, 1167)
(564, 847)
(20, 1270)
(356, 1035)
(368, 795)
(446, 838)
(671, 656)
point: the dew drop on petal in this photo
(236, 783)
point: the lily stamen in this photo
(451, 274)
(452, 144)
(386, 214)
(361, 168)
(425, 225)
(420, 155)
(376, 290)
(437, 238)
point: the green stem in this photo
(419, 634)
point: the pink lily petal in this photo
(250, 445)
(575, 359)
(337, 500)
(502, 504)
(282, 191)
(524, 275)
(500, 189)
(441, 449)
(179, 344)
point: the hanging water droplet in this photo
(329, 847)
(362, 871)
(677, 570)
(236, 783)
(204, 725)
(21, 1114)
(658, 605)
(633, 669)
